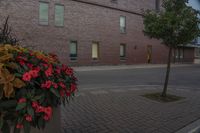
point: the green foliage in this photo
(176, 25)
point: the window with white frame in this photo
(122, 24)
(59, 15)
(122, 50)
(95, 50)
(43, 13)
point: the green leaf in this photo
(41, 123)
(30, 111)
(18, 75)
(1, 93)
(20, 106)
(1, 122)
(55, 92)
(16, 130)
(27, 127)
(37, 97)
(5, 128)
(8, 104)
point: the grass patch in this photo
(157, 97)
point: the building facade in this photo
(88, 32)
(196, 43)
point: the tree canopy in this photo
(176, 24)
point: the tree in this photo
(177, 24)
(5, 34)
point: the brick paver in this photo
(123, 110)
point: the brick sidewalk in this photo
(123, 110)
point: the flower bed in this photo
(32, 83)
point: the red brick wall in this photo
(85, 23)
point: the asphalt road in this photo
(184, 76)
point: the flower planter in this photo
(34, 85)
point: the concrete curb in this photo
(194, 127)
(118, 67)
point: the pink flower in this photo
(72, 87)
(22, 100)
(69, 71)
(35, 104)
(21, 62)
(19, 126)
(47, 84)
(62, 93)
(26, 76)
(48, 111)
(33, 73)
(68, 93)
(39, 109)
(28, 118)
(30, 66)
(46, 117)
(58, 70)
(48, 72)
(62, 84)
(37, 68)
(55, 85)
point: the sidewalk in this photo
(124, 110)
(117, 67)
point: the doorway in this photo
(149, 54)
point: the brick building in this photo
(88, 32)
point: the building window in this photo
(179, 53)
(122, 24)
(95, 50)
(197, 52)
(59, 15)
(122, 51)
(157, 5)
(43, 13)
(73, 50)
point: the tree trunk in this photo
(164, 93)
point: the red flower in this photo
(22, 100)
(69, 71)
(48, 111)
(26, 76)
(30, 66)
(46, 117)
(35, 104)
(45, 65)
(19, 126)
(33, 73)
(55, 85)
(68, 93)
(37, 68)
(62, 93)
(64, 67)
(58, 70)
(72, 87)
(62, 84)
(49, 71)
(39, 109)
(47, 84)
(28, 118)
(21, 62)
